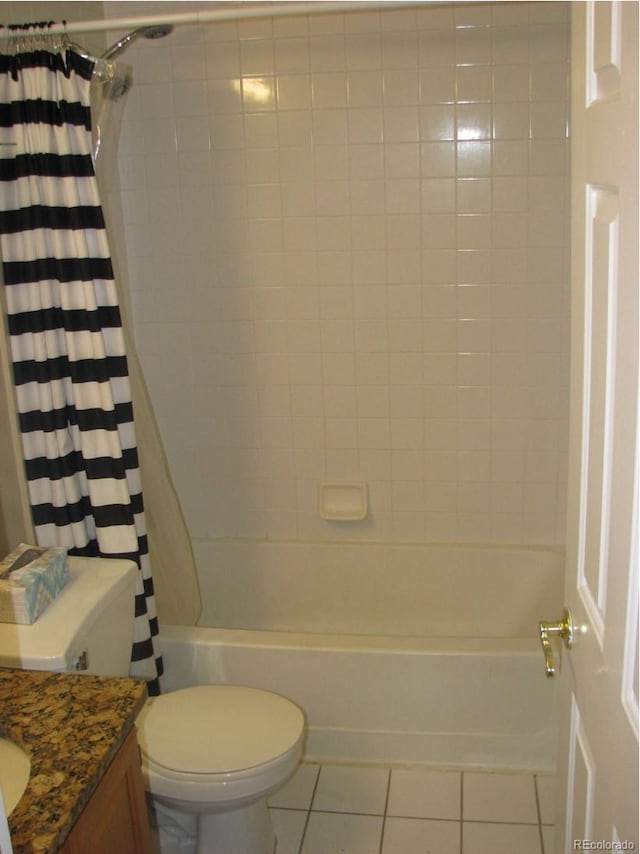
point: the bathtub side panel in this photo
(468, 709)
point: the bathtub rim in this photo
(321, 641)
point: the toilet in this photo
(211, 754)
(217, 752)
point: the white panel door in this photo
(598, 785)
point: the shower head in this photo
(157, 31)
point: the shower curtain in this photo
(67, 344)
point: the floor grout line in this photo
(384, 814)
(311, 799)
(461, 811)
(409, 817)
(535, 786)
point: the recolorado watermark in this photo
(592, 845)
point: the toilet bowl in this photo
(217, 752)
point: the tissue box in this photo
(26, 590)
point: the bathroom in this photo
(345, 241)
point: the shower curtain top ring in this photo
(36, 35)
(29, 37)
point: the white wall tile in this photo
(355, 227)
(436, 48)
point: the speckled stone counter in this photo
(72, 726)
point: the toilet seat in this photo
(218, 742)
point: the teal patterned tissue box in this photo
(30, 579)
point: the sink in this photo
(15, 767)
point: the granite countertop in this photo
(71, 725)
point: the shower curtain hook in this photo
(65, 41)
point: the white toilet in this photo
(218, 751)
(213, 752)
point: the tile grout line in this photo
(410, 817)
(384, 813)
(537, 794)
(493, 821)
(371, 814)
(461, 810)
(306, 821)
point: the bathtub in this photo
(436, 662)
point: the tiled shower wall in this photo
(347, 240)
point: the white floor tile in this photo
(289, 827)
(548, 838)
(546, 785)
(499, 797)
(424, 794)
(421, 836)
(343, 788)
(338, 833)
(487, 838)
(297, 793)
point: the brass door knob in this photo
(565, 630)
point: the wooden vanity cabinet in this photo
(115, 819)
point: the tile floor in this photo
(347, 809)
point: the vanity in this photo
(85, 790)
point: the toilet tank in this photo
(88, 627)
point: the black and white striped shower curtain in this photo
(65, 332)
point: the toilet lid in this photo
(213, 729)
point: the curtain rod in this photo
(267, 10)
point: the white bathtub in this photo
(460, 682)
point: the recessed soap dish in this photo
(343, 501)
